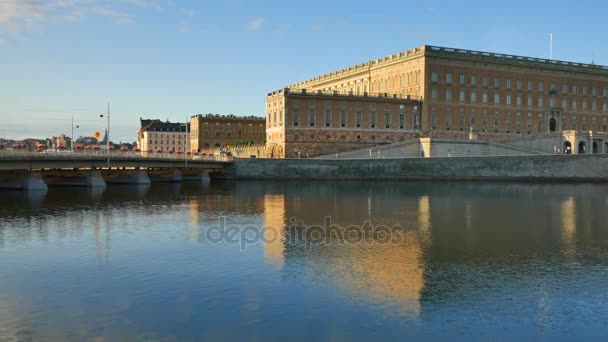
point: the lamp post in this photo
(73, 133)
(107, 134)
(187, 139)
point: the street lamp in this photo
(73, 133)
(107, 134)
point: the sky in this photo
(169, 59)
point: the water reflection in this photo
(521, 259)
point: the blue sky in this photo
(171, 58)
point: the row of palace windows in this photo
(394, 82)
(161, 135)
(529, 122)
(567, 88)
(358, 119)
(169, 142)
(518, 100)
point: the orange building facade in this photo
(460, 90)
(302, 124)
(214, 130)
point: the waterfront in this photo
(471, 261)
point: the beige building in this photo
(302, 124)
(214, 130)
(156, 136)
(492, 93)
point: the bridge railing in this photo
(18, 153)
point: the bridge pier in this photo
(126, 177)
(171, 175)
(87, 178)
(23, 181)
(196, 176)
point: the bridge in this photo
(36, 170)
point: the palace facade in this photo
(457, 90)
(302, 124)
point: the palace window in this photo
(529, 100)
(296, 117)
(519, 100)
(530, 85)
(496, 99)
(541, 86)
(387, 119)
(343, 118)
(448, 78)
(448, 121)
(564, 104)
(508, 83)
(462, 81)
(372, 119)
(484, 81)
(574, 104)
(605, 92)
(594, 91)
(327, 118)
(496, 82)
(473, 96)
(473, 80)
(462, 96)
(434, 120)
(540, 101)
(409, 78)
(401, 120)
(401, 80)
(605, 107)
(565, 88)
(575, 89)
(584, 104)
(585, 90)
(508, 100)
(519, 84)
(433, 77)
(484, 98)
(312, 114)
(434, 94)
(594, 106)
(358, 117)
(448, 95)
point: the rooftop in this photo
(228, 117)
(429, 50)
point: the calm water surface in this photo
(464, 261)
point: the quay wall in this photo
(575, 168)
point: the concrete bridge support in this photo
(171, 175)
(86, 178)
(22, 181)
(196, 176)
(126, 177)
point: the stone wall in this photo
(520, 168)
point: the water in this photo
(465, 261)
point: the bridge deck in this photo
(37, 161)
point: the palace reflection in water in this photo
(514, 259)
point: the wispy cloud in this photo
(23, 15)
(255, 24)
(189, 12)
(3, 41)
(315, 27)
(119, 17)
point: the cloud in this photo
(3, 41)
(315, 27)
(255, 24)
(189, 12)
(25, 15)
(119, 17)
